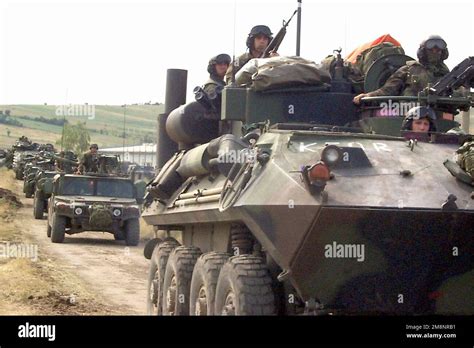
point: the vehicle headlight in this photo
(78, 211)
(331, 154)
(117, 212)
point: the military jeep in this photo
(93, 203)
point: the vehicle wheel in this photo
(132, 232)
(177, 282)
(48, 230)
(28, 193)
(244, 287)
(58, 228)
(119, 235)
(38, 206)
(156, 275)
(204, 281)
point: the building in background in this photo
(144, 154)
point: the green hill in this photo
(43, 123)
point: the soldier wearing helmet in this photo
(420, 119)
(89, 162)
(415, 75)
(217, 68)
(257, 40)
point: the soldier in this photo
(217, 68)
(420, 119)
(89, 161)
(415, 75)
(257, 41)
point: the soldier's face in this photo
(422, 126)
(221, 69)
(433, 55)
(260, 42)
(93, 150)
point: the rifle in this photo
(277, 40)
(462, 74)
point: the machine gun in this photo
(277, 40)
(461, 75)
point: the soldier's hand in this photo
(357, 98)
(273, 54)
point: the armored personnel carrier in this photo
(316, 207)
(93, 202)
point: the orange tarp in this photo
(352, 57)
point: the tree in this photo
(75, 138)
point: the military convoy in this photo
(93, 203)
(105, 201)
(292, 200)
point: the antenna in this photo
(64, 121)
(298, 29)
(233, 44)
(123, 142)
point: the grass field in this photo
(105, 128)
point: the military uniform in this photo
(210, 85)
(411, 79)
(88, 163)
(240, 61)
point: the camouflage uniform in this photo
(88, 163)
(465, 158)
(210, 86)
(239, 63)
(411, 79)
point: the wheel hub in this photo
(229, 304)
(201, 302)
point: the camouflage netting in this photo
(100, 216)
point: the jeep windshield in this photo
(115, 188)
(78, 187)
(97, 187)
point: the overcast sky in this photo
(116, 52)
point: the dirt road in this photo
(116, 273)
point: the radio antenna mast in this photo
(298, 29)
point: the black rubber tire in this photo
(58, 228)
(204, 281)
(48, 230)
(150, 246)
(244, 288)
(132, 232)
(156, 275)
(38, 206)
(119, 235)
(177, 282)
(28, 192)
